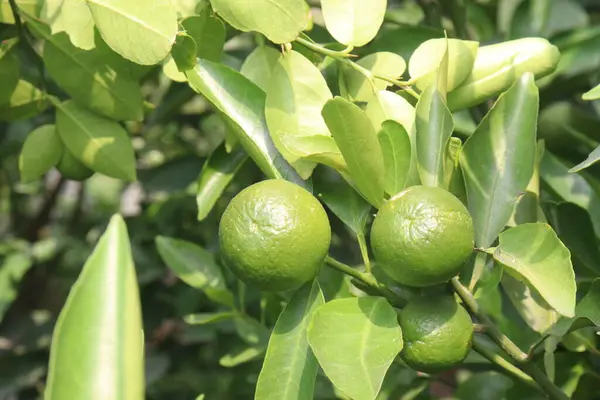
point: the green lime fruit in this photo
(437, 333)
(422, 236)
(274, 235)
(71, 168)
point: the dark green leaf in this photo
(592, 94)
(498, 159)
(591, 159)
(587, 313)
(25, 102)
(9, 76)
(395, 146)
(12, 269)
(489, 385)
(209, 34)
(290, 369)
(357, 140)
(41, 151)
(184, 52)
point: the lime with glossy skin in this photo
(437, 333)
(422, 236)
(274, 235)
(71, 168)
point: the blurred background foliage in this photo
(48, 228)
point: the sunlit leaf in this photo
(353, 22)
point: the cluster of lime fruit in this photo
(275, 235)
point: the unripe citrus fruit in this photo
(274, 235)
(422, 236)
(71, 168)
(437, 333)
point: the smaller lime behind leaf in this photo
(274, 235)
(422, 236)
(71, 168)
(437, 333)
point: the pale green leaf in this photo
(357, 140)
(9, 76)
(426, 59)
(208, 318)
(359, 88)
(290, 368)
(184, 52)
(591, 159)
(592, 94)
(41, 151)
(31, 7)
(281, 21)
(353, 22)
(259, 64)
(395, 146)
(195, 266)
(241, 354)
(208, 32)
(98, 142)
(72, 17)
(98, 337)
(498, 159)
(587, 313)
(533, 253)
(355, 341)
(89, 77)
(170, 69)
(142, 32)
(25, 101)
(319, 149)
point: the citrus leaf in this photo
(25, 102)
(591, 159)
(532, 252)
(250, 330)
(217, 173)
(41, 151)
(358, 87)
(12, 269)
(140, 32)
(426, 59)
(88, 76)
(209, 34)
(99, 143)
(184, 52)
(490, 385)
(9, 76)
(281, 21)
(587, 313)
(295, 96)
(498, 159)
(208, 318)
(355, 341)
(592, 94)
(357, 140)
(72, 17)
(395, 146)
(241, 354)
(259, 64)
(353, 22)
(196, 267)
(31, 7)
(341, 199)
(169, 68)
(242, 103)
(290, 369)
(98, 337)
(320, 149)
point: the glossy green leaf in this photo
(290, 368)
(358, 87)
(41, 151)
(217, 173)
(574, 228)
(98, 343)
(453, 176)
(355, 341)
(498, 159)
(242, 104)
(208, 32)
(99, 143)
(395, 146)
(591, 159)
(13, 267)
(9, 76)
(32, 7)
(196, 267)
(587, 313)
(259, 64)
(353, 22)
(295, 96)
(184, 52)
(529, 252)
(208, 318)
(357, 140)
(426, 60)
(89, 77)
(142, 32)
(72, 17)
(341, 199)
(592, 94)
(315, 148)
(281, 21)
(25, 102)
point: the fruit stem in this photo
(368, 280)
(506, 344)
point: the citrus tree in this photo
(283, 199)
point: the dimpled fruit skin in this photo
(437, 333)
(274, 235)
(422, 236)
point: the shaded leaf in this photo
(25, 102)
(587, 313)
(395, 146)
(359, 87)
(353, 22)
(241, 354)
(208, 318)
(12, 269)
(98, 338)
(9, 76)
(290, 369)
(355, 341)
(184, 52)
(209, 34)
(498, 159)
(532, 252)
(592, 94)
(250, 330)
(41, 151)
(591, 159)
(488, 385)
(259, 64)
